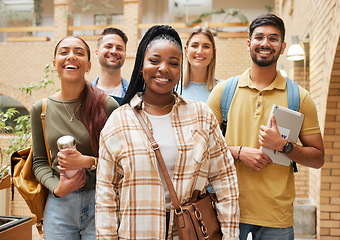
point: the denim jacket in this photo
(125, 85)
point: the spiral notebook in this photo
(289, 123)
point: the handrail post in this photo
(61, 19)
(132, 17)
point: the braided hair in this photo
(153, 34)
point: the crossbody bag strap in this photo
(43, 116)
(155, 148)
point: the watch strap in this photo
(288, 148)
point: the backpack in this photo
(293, 95)
(23, 178)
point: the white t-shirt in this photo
(164, 136)
(116, 91)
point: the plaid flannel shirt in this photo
(130, 200)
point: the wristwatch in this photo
(94, 166)
(288, 148)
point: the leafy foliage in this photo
(268, 7)
(4, 120)
(103, 6)
(228, 12)
(11, 16)
(29, 88)
(22, 129)
(38, 10)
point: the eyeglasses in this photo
(273, 40)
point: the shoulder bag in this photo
(196, 219)
(23, 178)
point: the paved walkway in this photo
(36, 236)
(312, 238)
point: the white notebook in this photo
(289, 123)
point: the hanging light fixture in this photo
(296, 51)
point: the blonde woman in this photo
(199, 66)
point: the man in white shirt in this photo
(111, 53)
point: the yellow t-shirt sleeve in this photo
(307, 107)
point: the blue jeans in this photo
(70, 217)
(265, 233)
(167, 224)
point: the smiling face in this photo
(111, 51)
(264, 54)
(71, 59)
(161, 67)
(199, 51)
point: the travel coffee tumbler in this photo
(65, 142)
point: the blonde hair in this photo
(211, 67)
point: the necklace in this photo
(196, 88)
(161, 107)
(71, 116)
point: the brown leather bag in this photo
(200, 214)
(196, 219)
(23, 178)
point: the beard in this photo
(109, 65)
(264, 62)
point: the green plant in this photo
(5, 127)
(99, 7)
(268, 7)
(12, 17)
(179, 16)
(228, 13)
(4, 171)
(4, 120)
(38, 10)
(22, 129)
(29, 88)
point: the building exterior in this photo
(319, 21)
(315, 22)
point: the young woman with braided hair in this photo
(132, 200)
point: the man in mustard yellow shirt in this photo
(266, 189)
